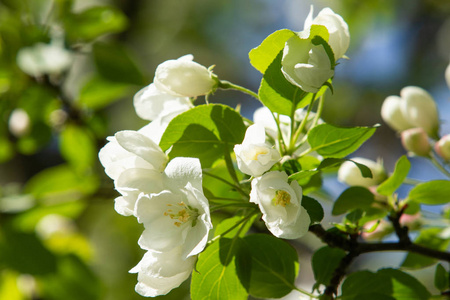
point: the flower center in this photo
(182, 213)
(282, 198)
(257, 151)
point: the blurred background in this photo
(68, 73)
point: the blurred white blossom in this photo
(350, 174)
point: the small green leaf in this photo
(205, 132)
(433, 192)
(114, 63)
(331, 141)
(78, 147)
(94, 22)
(314, 209)
(391, 184)
(303, 175)
(215, 277)
(98, 93)
(441, 278)
(324, 262)
(428, 237)
(273, 264)
(386, 284)
(352, 198)
(263, 55)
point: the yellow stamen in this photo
(282, 198)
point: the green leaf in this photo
(263, 55)
(390, 185)
(331, 141)
(215, 277)
(353, 198)
(441, 278)
(388, 283)
(114, 63)
(428, 237)
(73, 281)
(228, 226)
(98, 93)
(433, 192)
(303, 176)
(324, 262)
(78, 147)
(60, 184)
(94, 22)
(314, 209)
(273, 264)
(25, 253)
(205, 132)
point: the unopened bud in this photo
(19, 122)
(350, 174)
(415, 140)
(447, 75)
(442, 147)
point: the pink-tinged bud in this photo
(415, 140)
(442, 147)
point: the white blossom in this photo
(280, 204)
(19, 122)
(339, 38)
(350, 174)
(254, 156)
(414, 108)
(150, 103)
(447, 75)
(41, 59)
(179, 214)
(415, 140)
(160, 272)
(442, 147)
(183, 77)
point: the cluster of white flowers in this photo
(308, 65)
(166, 197)
(279, 201)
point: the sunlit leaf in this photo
(394, 181)
(353, 198)
(433, 192)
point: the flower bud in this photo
(415, 140)
(19, 122)
(414, 108)
(254, 156)
(442, 147)
(339, 39)
(184, 78)
(350, 174)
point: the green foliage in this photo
(314, 209)
(324, 263)
(215, 277)
(433, 192)
(98, 93)
(384, 284)
(78, 147)
(331, 141)
(270, 273)
(206, 132)
(441, 278)
(394, 181)
(430, 238)
(94, 22)
(355, 197)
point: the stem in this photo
(306, 293)
(238, 188)
(223, 84)
(319, 111)
(438, 165)
(412, 181)
(232, 171)
(280, 135)
(302, 126)
(245, 204)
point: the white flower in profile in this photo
(150, 103)
(254, 156)
(447, 75)
(414, 108)
(178, 216)
(339, 38)
(442, 147)
(350, 174)
(183, 77)
(135, 163)
(280, 204)
(160, 272)
(41, 59)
